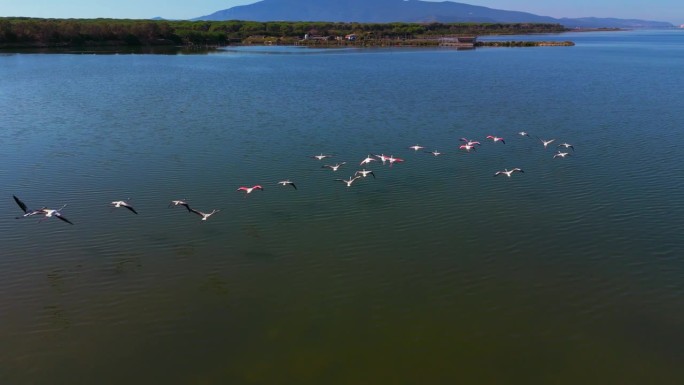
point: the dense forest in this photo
(31, 32)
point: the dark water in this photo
(435, 272)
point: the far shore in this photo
(153, 35)
(200, 49)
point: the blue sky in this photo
(660, 10)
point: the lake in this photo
(433, 272)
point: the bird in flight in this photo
(46, 212)
(49, 213)
(367, 160)
(349, 181)
(287, 182)
(508, 172)
(321, 156)
(466, 147)
(496, 139)
(180, 202)
(567, 145)
(546, 142)
(123, 204)
(560, 155)
(204, 216)
(248, 190)
(393, 160)
(334, 167)
(469, 142)
(27, 212)
(384, 158)
(364, 173)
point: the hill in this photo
(411, 11)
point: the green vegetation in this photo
(30, 32)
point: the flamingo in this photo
(287, 182)
(435, 153)
(567, 145)
(416, 147)
(466, 147)
(180, 202)
(349, 181)
(364, 173)
(27, 212)
(320, 157)
(393, 160)
(384, 158)
(367, 160)
(470, 142)
(508, 172)
(334, 167)
(248, 190)
(49, 213)
(204, 216)
(546, 142)
(123, 204)
(496, 139)
(523, 133)
(561, 154)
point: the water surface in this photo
(435, 272)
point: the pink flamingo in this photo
(248, 190)
(496, 139)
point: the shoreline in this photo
(195, 49)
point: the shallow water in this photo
(433, 272)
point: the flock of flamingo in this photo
(468, 146)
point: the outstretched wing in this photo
(59, 216)
(20, 203)
(131, 208)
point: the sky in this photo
(659, 10)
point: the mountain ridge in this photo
(411, 11)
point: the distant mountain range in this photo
(409, 11)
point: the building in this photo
(458, 41)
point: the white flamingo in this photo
(561, 155)
(287, 182)
(334, 167)
(204, 216)
(321, 156)
(508, 172)
(364, 173)
(180, 202)
(546, 142)
(123, 204)
(49, 213)
(349, 181)
(367, 160)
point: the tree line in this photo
(33, 32)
